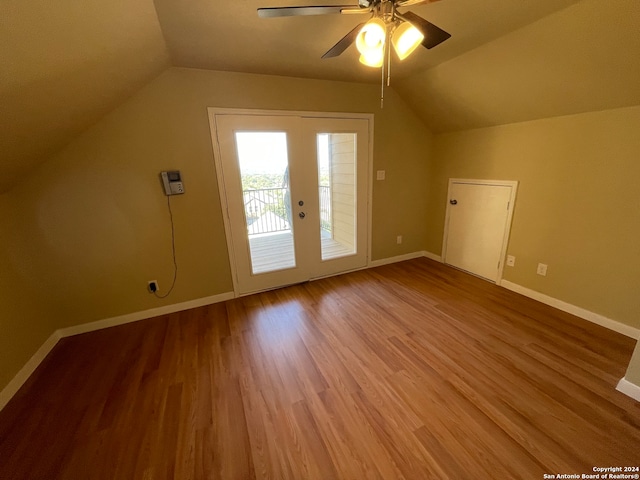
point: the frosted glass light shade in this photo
(372, 36)
(373, 58)
(405, 39)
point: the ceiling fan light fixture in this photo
(405, 39)
(386, 25)
(372, 37)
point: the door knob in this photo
(301, 203)
(453, 202)
(301, 215)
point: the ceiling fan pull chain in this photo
(382, 88)
(382, 70)
(388, 63)
(389, 32)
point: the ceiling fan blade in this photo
(409, 3)
(269, 12)
(433, 35)
(344, 42)
(356, 10)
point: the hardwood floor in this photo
(413, 370)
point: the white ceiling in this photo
(66, 64)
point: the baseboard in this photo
(593, 317)
(25, 372)
(396, 259)
(629, 389)
(144, 314)
(432, 256)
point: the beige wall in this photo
(25, 318)
(578, 204)
(94, 219)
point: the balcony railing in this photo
(267, 210)
(325, 208)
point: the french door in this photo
(294, 190)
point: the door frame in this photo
(217, 158)
(507, 231)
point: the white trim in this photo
(285, 113)
(370, 194)
(513, 184)
(398, 258)
(593, 317)
(629, 389)
(27, 370)
(217, 159)
(144, 314)
(432, 256)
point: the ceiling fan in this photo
(406, 31)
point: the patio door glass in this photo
(264, 173)
(295, 192)
(337, 190)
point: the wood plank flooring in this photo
(407, 371)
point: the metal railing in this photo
(267, 210)
(325, 208)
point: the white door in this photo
(477, 226)
(295, 193)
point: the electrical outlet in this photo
(399, 239)
(152, 286)
(380, 174)
(542, 269)
(511, 260)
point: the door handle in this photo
(301, 215)
(301, 203)
(453, 202)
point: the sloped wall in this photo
(582, 58)
(26, 316)
(96, 218)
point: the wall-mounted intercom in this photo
(172, 182)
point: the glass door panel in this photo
(264, 173)
(337, 159)
(341, 149)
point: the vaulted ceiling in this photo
(66, 64)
